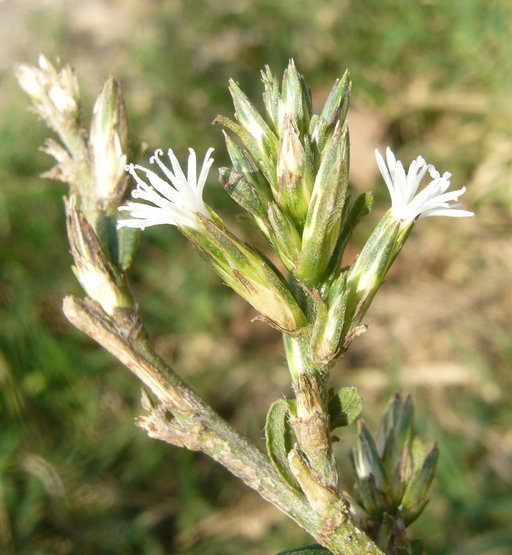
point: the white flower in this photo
(406, 203)
(174, 202)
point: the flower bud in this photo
(248, 273)
(271, 98)
(264, 161)
(108, 144)
(333, 114)
(243, 164)
(393, 474)
(247, 115)
(295, 100)
(323, 221)
(326, 338)
(92, 269)
(367, 459)
(243, 192)
(368, 272)
(284, 236)
(416, 493)
(294, 173)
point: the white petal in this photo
(191, 170)
(207, 164)
(406, 203)
(176, 201)
(385, 174)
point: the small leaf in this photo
(128, 240)
(345, 407)
(280, 439)
(306, 550)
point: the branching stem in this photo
(183, 418)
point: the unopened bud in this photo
(271, 97)
(333, 114)
(243, 192)
(108, 145)
(243, 164)
(368, 272)
(284, 236)
(393, 474)
(326, 338)
(395, 430)
(416, 493)
(323, 222)
(295, 101)
(247, 115)
(294, 173)
(367, 458)
(248, 273)
(92, 269)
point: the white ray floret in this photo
(407, 203)
(174, 202)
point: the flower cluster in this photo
(290, 173)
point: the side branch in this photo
(184, 419)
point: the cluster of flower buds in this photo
(393, 474)
(290, 171)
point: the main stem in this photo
(311, 425)
(184, 419)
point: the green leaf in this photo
(345, 407)
(280, 439)
(128, 240)
(306, 550)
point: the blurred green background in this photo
(431, 77)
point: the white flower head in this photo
(176, 201)
(406, 203)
